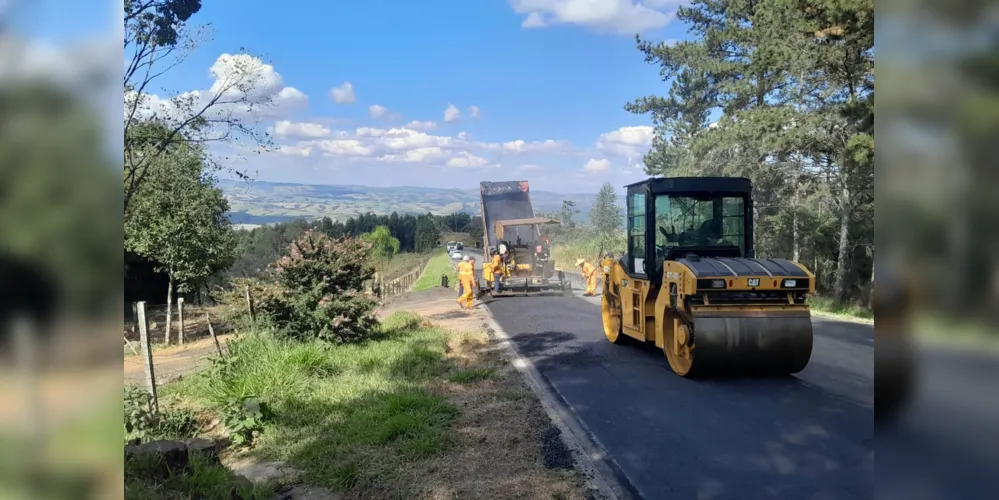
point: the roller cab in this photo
(689, 282)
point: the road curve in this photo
(810, 436)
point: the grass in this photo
(831, 307)
(351, 416)
(439, 264)
(565, 255)
(203, 479)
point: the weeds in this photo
(142, 424)
(202, 479)
(827, 305)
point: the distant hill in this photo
(260, 202)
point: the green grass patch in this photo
(145, 480)
(832, 307)
(440, 264)
(347, 415)
(471, 375)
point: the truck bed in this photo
(505, 200)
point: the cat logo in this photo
(754, 281)
(673, 276)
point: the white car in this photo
(456, 255)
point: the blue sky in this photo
(539, 85)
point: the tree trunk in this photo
(795, 230)
(169, 312)
(842, 265)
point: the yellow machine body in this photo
(724, 314)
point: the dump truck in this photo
(511, 228)
(690, 283)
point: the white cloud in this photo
(390, 145)
(467, 160)
(344, 147)
(621, 17)
(451, 113)
(473, 111)
(295, 151)
(595, 166)
(418, 125)
(521, 146)
(629, 142)
(432, 154)
(377, 111)
(301, 130)
(529, 167)
(344, 94)
(244, 88)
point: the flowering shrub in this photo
(318, 290)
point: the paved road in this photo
(809, 436)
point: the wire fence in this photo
(164, 343)
(399, 285)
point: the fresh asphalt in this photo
(810, 436)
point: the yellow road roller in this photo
(690, 282)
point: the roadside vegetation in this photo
(439, 264)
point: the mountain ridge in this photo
(266, 202)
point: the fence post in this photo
(211, 331)
(147, 356)
(180, 320)
(249, 306)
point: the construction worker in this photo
(466, 276)
(487, 271)
(590, 275)
(498, 271)
(461, 290)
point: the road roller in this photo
(689, 281)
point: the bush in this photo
(318, 291)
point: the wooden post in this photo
(169, 312)
(135, 318)
(249, 306)
(147, 356)
(180, 320)
(211, 331)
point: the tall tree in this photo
(793, 82)
(383, 246)
(157, 39)
(179, 221)
(606, 216)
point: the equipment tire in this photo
(611, 322)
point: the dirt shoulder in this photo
(507, 446)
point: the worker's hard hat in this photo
(580, 262)
(464, 257)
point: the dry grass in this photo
(500, 431)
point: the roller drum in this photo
(751, 344)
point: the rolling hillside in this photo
(261, 202)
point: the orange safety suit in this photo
(466, 274)
(590, 275)
(497, 264)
